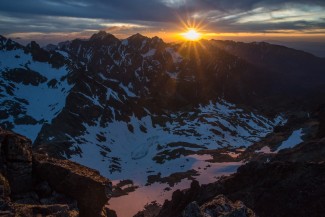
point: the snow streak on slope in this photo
(177, 58)
(37, 101)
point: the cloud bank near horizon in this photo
(80, 18)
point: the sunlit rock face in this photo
(148, 111)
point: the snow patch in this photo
(265, 150)
(151, 52)
(173, 75)
(177, 58)
(127, 90)
(125, 42)
(293, 140)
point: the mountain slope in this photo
(297, 74)
(32, 91)
(157, 113)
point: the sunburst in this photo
(192, 35)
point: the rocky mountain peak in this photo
(137, 36)
(8, 44)
(142, 43)
(103, 36)
(156, 39)
(33, 45)
(3, 39)
(137, 41)
(45, 54)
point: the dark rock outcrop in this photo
(220, 206)
(179, 201)
(33, 184)
(16, 161)
(42, 55)
(150, 210)
(83, 184)
(57, 210)
(321, 118)
(192, 210)
(280, 188)
(8, 44)
(270, 189)
(24, 76)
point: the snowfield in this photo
(293, 140)
(133, 155)
(42, 102)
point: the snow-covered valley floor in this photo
(166, 157)
(129, 205)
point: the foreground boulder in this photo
(32, 184)
(220, 206)
(57, 210)
(87, 186)
(16, 161)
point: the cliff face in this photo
(35, 184)
(16, 161)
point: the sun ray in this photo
(191, 28)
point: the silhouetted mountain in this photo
(296, 72)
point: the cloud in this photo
(288, 16)
(113, 9)
(137, 10)
(127, 16)
(243, 5)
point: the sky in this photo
(242, 20)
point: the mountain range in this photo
(144, 110)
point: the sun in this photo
(192, 35)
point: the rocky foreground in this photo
(36, 185)
(290, 182)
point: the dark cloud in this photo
(302, 26)
(144, 10)
(113, 9)
(50, 16)
(242, 5)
